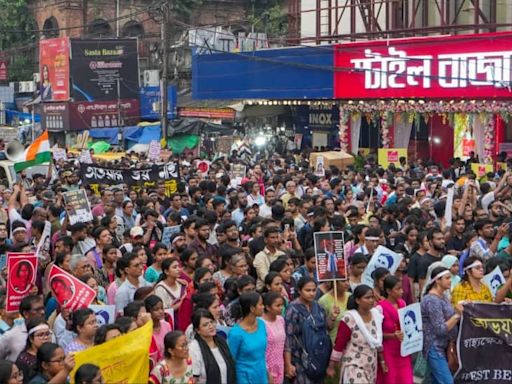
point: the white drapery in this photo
(479, 136)
(355, 132)
(403, 130)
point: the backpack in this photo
(315, 342)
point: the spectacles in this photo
(17, 375)
(37, 309)
(43, 334)
(61, 360)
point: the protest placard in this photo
(105, 314)
(330, 261)
(483, 344)
(237, 173)
(124, 359)
(21, 277)
(382, 257)
(411, 325)
(494, 280)
(69, 292)
(43, 246)
(80, 209)
(319, 166)
(85, 157)
(154, 150)
(168, 232)
(59, 154)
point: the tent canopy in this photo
(196, 127)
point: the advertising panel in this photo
(103, 114)
(55, 117)
(54, 69)
(104, 69)
(468, 66)
(150, 102)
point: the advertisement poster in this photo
(54, 69)
(411, 325)
(330, 260)
(104, 69)
(80, 207)
(481, 170)
(103, 114)
(387, 156)
(21, 272)
(484, 344)
(382, 257)
(69, 292)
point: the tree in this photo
(268, 16)
(17, 38)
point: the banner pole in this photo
(335, 287)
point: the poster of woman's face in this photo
(62, 288)
(22, 276)
(410, 325)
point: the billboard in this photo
(466, 66)
(104, 69)
(150, 102)
(54, 69)
(55, 117)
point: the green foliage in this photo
(185, 7)
(269, 16)
(17, 38)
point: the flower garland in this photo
(344, 129)
(384, 129)
(440, 107)
(489, 129)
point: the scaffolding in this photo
(315, 22)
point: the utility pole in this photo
(166, 11)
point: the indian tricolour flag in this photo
(37, 153)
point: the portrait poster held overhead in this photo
(21, 272)
(80, 207)
(69, 292)
(494, 280)
(124, 359)
(484, 344)
(382, 257)
(105, 314)
(412, 327)
(330, 260)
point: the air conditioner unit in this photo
(151, 78)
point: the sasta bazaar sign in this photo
(468, 66)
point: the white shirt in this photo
(198, 366)
(125, 293)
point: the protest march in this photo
(268, 269)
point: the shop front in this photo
(430, 97)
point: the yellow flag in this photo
(124, 359)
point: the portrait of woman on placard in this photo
(22, 276)
(410, 324)
(62, 289)
(46, 85)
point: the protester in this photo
(38, 332)
(85, 326)
(52, 365)
(9, 373)
(88, 374)
(248, 341)
(276, 335)
(211, 357)
(177, 365)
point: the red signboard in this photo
(68, 290)
(3, 70)
(103, 114)
(207, 113)
(54, 69)
(466, 66)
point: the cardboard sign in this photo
(69, 292)
(411, 325)
(105, 314)
(387, 156)
(382, 257)
(319, 166)
(203, 166)
(59, 154)
(21, 272)
(43, 247)
(330, 260)
(85, 157)
(494, 280)
(168, 232)
(80, 207)
(154, 150)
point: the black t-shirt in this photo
(455, 244)
(418, 265)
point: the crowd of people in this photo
(233, 295)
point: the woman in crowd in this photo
(305, 310)
(52, 365)
(159, 255)
(107, 332)
(211, 357)
(155, 306)
(225, 271)
(211, 303)
(110, 222)
(169, 288)
(358, 263)
(440, 321)
(90, 280)
(107, 272)
(103, 237)
(328, 302)
(184, 318)
(9, 373)
(84, 325)
(238, 287)
(284, 267)
(378, 277)
(451, 263)
(399, 369)
(88, 374)
(276, 335)
(472, 288)
(38, 333)
(359, 340)
(248, 341)
(176, 367)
